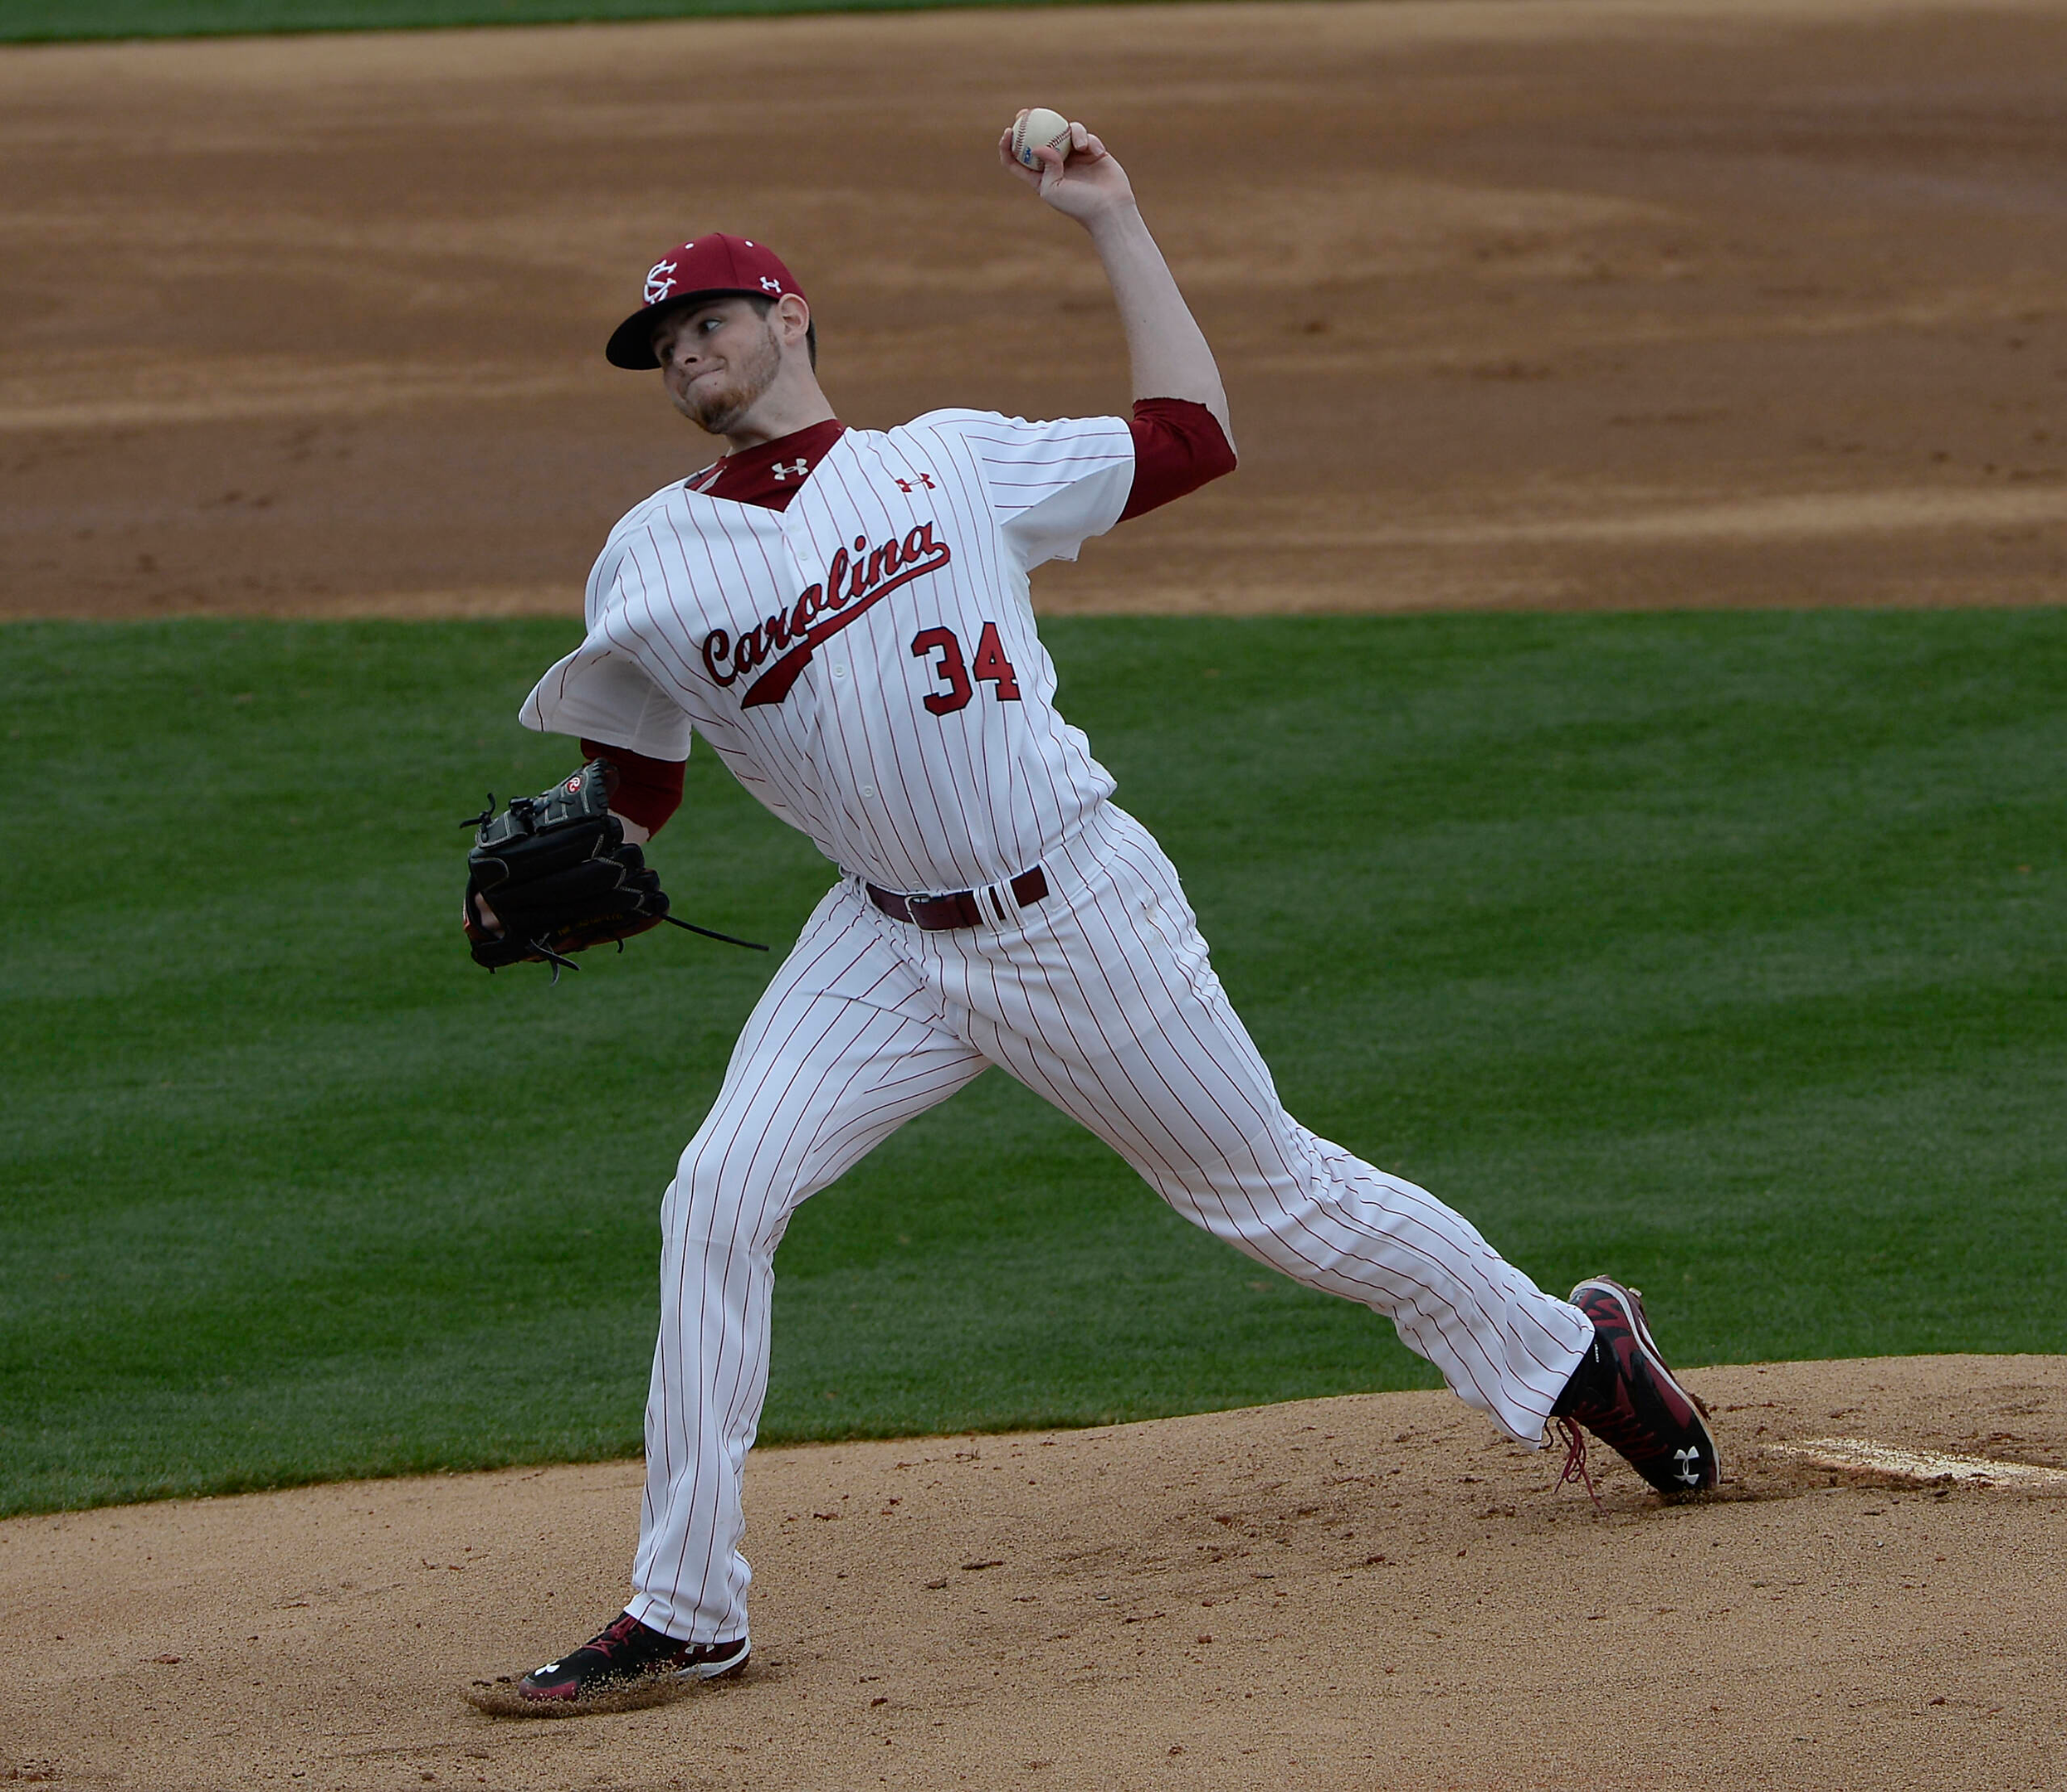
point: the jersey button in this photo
(868, 790)
(839, 669)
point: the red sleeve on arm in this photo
(649, 791)
(1179, 447)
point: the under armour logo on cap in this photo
(770, 285)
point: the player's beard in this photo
(718, 407)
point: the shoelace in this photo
(1575, 1461)
(612, 1636)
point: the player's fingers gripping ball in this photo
(1037, 129)
(557, 876)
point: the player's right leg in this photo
(1106, 1003)
(843, 1047)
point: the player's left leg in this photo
(1106, 1003)
(842, 1048)
(844, 1045)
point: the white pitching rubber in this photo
(1924, 1465)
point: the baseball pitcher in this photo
(842, 615)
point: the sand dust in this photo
(1583, 304)
(1374, 1591)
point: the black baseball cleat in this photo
(1623, 1393)
(624, 1654)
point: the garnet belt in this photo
(963, 908)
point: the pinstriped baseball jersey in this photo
(864, 660)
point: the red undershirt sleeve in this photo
(649, 791)
(1179, 447)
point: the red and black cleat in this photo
(624, 1654)
(1623, 1394)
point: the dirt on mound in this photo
(1360, 1592)
(1619, 303)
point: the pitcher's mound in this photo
(1364, 1592)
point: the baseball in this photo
(1039, 128)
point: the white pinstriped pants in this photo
(1100, 998)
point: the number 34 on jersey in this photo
(957, 675)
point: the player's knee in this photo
(719, 1193)
(1279, 1251)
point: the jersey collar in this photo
(771, 474)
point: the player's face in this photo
(717, 359)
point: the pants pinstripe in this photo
(1100, 998)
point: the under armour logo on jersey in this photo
(796, 469)
(660, 281)
(780, 647)
(770, 284)
(925, 480)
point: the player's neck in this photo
(785, 408)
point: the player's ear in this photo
(793, 318)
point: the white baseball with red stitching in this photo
(1038, 127)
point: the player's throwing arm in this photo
(1166, 349)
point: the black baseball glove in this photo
(554, 874)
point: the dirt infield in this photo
(1358, 1593)
(1588, 303)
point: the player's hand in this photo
(1086, 184)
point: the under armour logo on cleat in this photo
(1689, 1469)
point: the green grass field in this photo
(59, 21)
(1728, 953)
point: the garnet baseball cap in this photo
(702, 265)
